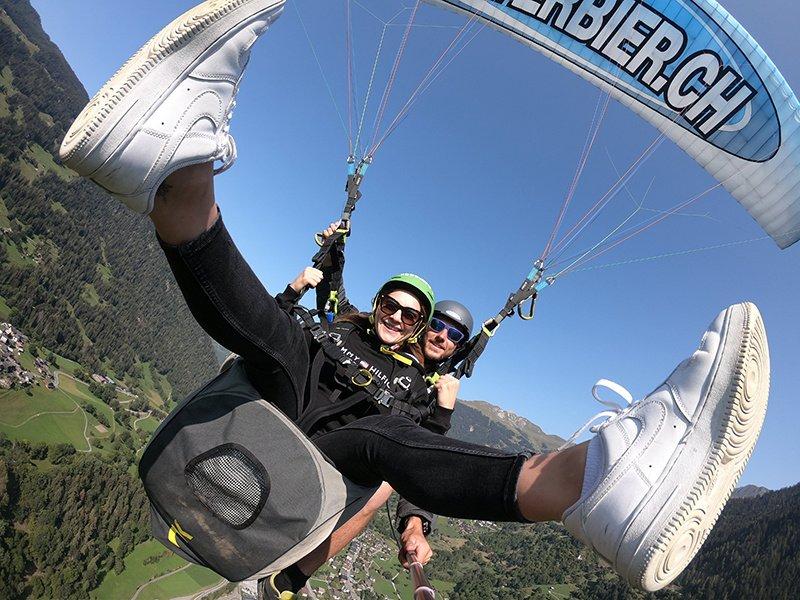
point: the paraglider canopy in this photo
(689, 68)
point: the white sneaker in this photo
(671, 460)
(170, 105)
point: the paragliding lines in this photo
(590, 215)
(393, 74)
(591, 137)
(431, 76)
(350, 80)
(647, 225)
(321, 70)
(369, 87)
(576, 259)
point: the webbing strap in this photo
(354, 178)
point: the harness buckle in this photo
(384, 398)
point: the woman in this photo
(644, 492)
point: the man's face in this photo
(438, 346)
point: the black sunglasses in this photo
(453, 334)
(389, 306)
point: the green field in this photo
(402, 581)
(67, 365)
(15, 259)
(5, 310)
(148, 425)
(53, 416)
(148, 385)
(136, 573)
(80, 390)
(105, 272)
(4, 222)
(45, 161)
(184, 583)
(17, 406)
(28, 170)
(4, 111)
(27, 361)
(89, 295)
(7, 80)
(20, 420)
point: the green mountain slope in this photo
(81, 275)
(753, 552)
(484, 423)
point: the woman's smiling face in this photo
(390, 328)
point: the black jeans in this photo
(440, 474)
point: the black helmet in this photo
(455, 312)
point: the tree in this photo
(60, 453)
(39, 451)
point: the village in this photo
(13, 375)
(12, 345)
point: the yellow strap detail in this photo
(432, 379)
(398, 357)
(175, 531)
(486, 330)
(284, 595)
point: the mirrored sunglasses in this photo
(454, 334)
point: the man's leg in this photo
(292, 579)
(345, 534)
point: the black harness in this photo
(355, 375)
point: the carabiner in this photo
(528, 314)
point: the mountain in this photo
(750, 491)
(80, 274)
(85, 280)
(483, 423)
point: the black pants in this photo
(443, 475)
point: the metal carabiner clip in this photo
(528, 313)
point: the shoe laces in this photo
(227, 152)
(616, 410)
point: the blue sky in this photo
(466, 192)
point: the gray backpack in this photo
(236, 487)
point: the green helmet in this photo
(415, 284)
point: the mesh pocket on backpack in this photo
(230, 482)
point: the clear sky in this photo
(466, 192)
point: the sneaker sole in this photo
(734, 440)
(111, 105)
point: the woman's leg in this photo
(454, 478)
(223, 293)
(185, 206)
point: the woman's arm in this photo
(332, 286)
